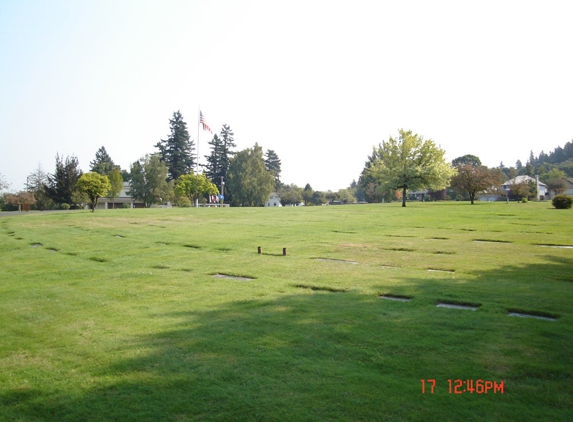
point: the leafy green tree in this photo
(307, 194)
(318, 198)
(290, 194)
(467, 159)
(62, 184)
(554, 179)
(474, 179)
(409, 162)
(116, 184)
(102, 164)
(177, 150)
(248, 180)
(346, 196)
(149, 180)
(194, 186)
(94, 186)
(273, 165)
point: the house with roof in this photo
(542, 190)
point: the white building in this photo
(274, 200)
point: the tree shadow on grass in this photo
(324, 356)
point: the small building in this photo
(122, 201)
(274, 200)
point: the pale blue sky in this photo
(319, 82)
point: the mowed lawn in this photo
(118, 315)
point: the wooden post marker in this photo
(260, 251)
(284, 251)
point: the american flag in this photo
(203, 122)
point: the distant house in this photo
(274, 200)
(542, 190)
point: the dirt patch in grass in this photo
(532, 314)
(443, 253)
(439, 238)
(224, 249)
(400, 249)
(51, 249)
(345, 232)
(469, 230)
(441, 270)
(469, 306)
(398, 235)
(492, 241)
(187, 245)
(342, 261)
(388, 266)
(233, 277)
(98, 259)
(320, 288)
(160, 267)
(35, 245)
(552, 245)
(398, 298)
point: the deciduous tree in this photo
(467, 159)
(148, 180)
(194, 186)
(21, 198)
(290, 194)
(94, 186)
(177, 150)
(409, 162)
(116, 184)
(474, 179)
(248, 180)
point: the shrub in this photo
(524, 200)
(562, 202)
(65, 206)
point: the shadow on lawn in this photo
(323, 356)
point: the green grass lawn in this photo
(117, 315)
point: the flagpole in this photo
(198, 123)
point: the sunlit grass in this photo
(117, 315)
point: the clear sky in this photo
(320, 82)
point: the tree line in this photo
(396, 167)
(171, 173)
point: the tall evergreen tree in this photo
(177, 150)
(62, 184)
(273, 165)
(103, 164)
(35, 184)
(219, 160)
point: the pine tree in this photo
(103, 164)
(177, 150)
(273, 164)
(219, 160)
(62, 184)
